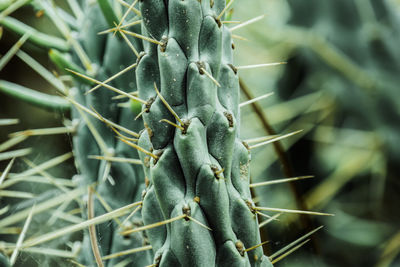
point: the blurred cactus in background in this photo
(341, 87)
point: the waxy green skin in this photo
(201, 171)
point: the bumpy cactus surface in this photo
(197, 165)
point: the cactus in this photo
(108, 55)
(197, 164)
(196, 204)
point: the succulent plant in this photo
(195, 160)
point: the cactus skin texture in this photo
(108, 53)
(200, 169)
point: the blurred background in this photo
(340, 86)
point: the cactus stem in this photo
(101, 118)
(255, 99)
(260, 65)
(117, 159)
(275, 139)
(138, 148)
(168, 106)
(127, 252)
(113, 77)
(157, 224)
(289, 252)
(278, 181)
(92, 230)
(256, 246)
(6, 171)
(44, 131)
(248, 22)
(21, 237)
(293, 211)
(225, 9)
